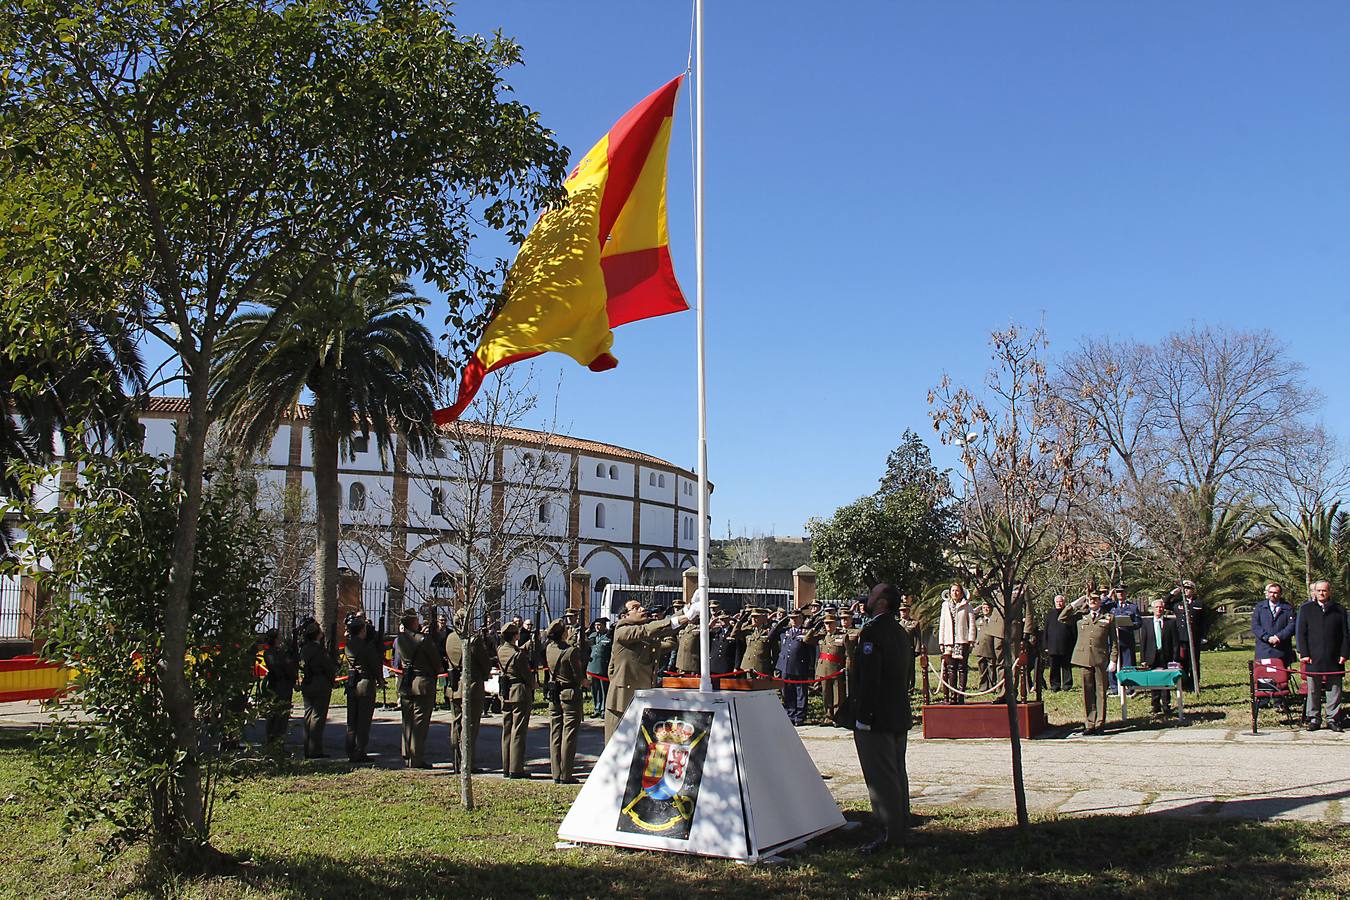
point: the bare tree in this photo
(498, 500)
(1029, 462)
(1208, 417)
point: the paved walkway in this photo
(1188, 771)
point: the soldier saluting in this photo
(757, 658)
(469, 662)
(566, 653)
(416, 688)
(636, 653)
(365, 672)
(517, 693)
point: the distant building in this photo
(616, 512)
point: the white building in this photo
(607, 509)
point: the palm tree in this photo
(82, 387)
(356, 343)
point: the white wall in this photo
(588, 480)
(159, 436)
(618, 520)
(664, 488)
(658, 525)
(688, 498)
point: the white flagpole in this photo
(705, 674)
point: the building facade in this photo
(572, 503)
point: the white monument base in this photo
(721, 773)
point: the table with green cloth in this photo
(1148, 680)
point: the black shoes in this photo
(1315, 725)
(880, 845)
(1335, 726)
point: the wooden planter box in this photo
(981, 720)
(723, 684)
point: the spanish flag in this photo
(598, 262)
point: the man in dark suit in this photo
(1323, 645)
(1057, 640)
(878, 677)
(1159, 650)
(1273, 627)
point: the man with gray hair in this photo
(1323, 646)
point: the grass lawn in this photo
(322, 830)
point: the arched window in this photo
(356, 496)
(599, 515)
(599, 470)
(437, 502)
(651, 479)
(529, 460)
(613, 471)
(361, 443)
(661, 481)
(544, 512)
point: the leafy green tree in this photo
(897, 535)
(113, 761)
(356, 343)
(173, 159)
(62, 392)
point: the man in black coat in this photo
(1159, 643)
(1058, 640)
(1323, 646)
(879, 699)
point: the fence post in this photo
(803, 586)
(690, 584)
(579, 596)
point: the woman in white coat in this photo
(956, 635)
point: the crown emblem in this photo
(674, 731)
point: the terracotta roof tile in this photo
(519, 435)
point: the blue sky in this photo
(889, 181)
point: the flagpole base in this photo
(709, 773)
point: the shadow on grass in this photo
(957, 854)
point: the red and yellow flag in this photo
(598, 262)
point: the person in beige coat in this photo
(1091, 654)
(635, 656)
(956, 636)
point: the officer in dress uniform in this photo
(634, 657)
(316, 686)
(721, 648)
(470, 661)
(416, 688)
(796, 659)
(831, 657)
(686, 652)
(517, 693)
(566, 653)
(757, 636)
(1091, 654)
(365, 673)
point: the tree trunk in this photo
(326, 512)
(466, 744)
(1011, 615)
(185, 830)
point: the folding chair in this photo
(1270, 681)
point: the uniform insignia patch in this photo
(867, 647)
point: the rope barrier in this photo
(943, 682)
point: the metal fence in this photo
(13, 623)
(383, 604)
